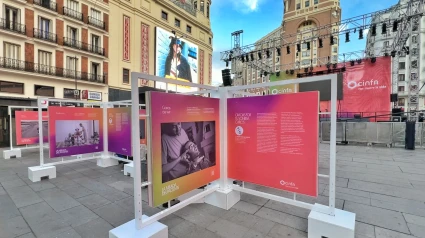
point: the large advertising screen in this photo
(288, 88)
(273, 141)
(27, 129)
(74, 131)
(175, 58)
(185, 151)
(119, 130)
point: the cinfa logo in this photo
(287, 184)
(362, 84)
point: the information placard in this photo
(74, 131)
(185, 155)
(27, 129)
(119, 130)
(273, 141)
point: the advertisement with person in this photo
(75, 131)
(281, 89)
(27, 129)
(185, 153)
(175, 58)
(119, 130)
(273, 141)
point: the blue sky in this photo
(259, 17)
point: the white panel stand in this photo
(106, 161)
(223, 198)
(191, 194)
(129, 169)
(323, 225)
(36, 173)
(7, 154)
(128, 230)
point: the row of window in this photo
(202, 7)
(12, 52)
(177, 23)
(307, 3)
(39, 90)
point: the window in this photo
(73, 5)
(210, 41)
(401, 102)
(96, 14)
(335, 49)
(44, 26)
(12, 18)
(307, 3)
(40, 90)
(386, 43)
(208, 10)
(164, 15)
(71, 66)
(195, 5)
(401, 77)
(11, 87)
(126, 76)
(72, 36)
(189, 29)
(316, 1)
(306, 54)
(44, 58)
(95, 42)
(401, 65)
(298, 6)
(401, 88)
(414, 39)
(177, 22)
(95, 69)
(11, 51)
(202, 6)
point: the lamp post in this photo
(75, 77)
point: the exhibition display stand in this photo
(16, 152)
(323, 221)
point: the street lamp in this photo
(76, 94)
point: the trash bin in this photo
(409, 143)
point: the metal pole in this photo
(332, 172)
(75, 75)
(10, 128)
(40, 131)
(223, 137)
(135, 142)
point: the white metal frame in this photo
(40, 102)
(10, 108)
(223, 181)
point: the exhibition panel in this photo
(75, 131)
(119, 130)
(184, 152)
(273, 141)
(142, 126)
(27, 129)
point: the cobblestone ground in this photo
(384, 187)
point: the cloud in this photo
(244, 6)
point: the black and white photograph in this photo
(71, 133)
(30, 129)
(187, 147)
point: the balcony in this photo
(187, 7)
(12, 26)
(30, 67)
(50, 5)
(45, 35)
(72, 14)
(96, 23)
(83, 46)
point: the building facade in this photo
(300, 21)
(51, 49)
(140, 29)
(380, 43)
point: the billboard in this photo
(74, 131)
(185, 151)
(273, 141)
(289, 88)
(27, 130)
(119, 130)
(175, 58)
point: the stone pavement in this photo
(384, 187)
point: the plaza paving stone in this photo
(384, 187)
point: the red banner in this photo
(366, 88)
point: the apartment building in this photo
(143, 32)
(54, 49)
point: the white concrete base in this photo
(191, 194)
(128, 230)
(322, 225)
(224, 199)
(16, 153)
(36, 173)
(106, 161)
(129, 169)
